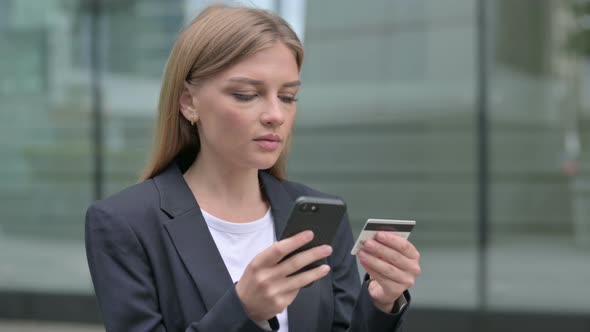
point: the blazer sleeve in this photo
(125, 288)
(354, 310)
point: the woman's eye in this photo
(288, 99)
(244, 97)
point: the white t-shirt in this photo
(239, 243)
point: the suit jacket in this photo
(155, 266)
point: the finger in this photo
(302, 259)
(305, 278)
(278, 250)
(381, 279)
(381, 267)
(389, 288)
(398, 243)
(391, 255)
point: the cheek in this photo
(236, 121)
(232, 127)
(289, 120)
(218, 125)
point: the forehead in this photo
(275, 63)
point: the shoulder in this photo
(130, 204)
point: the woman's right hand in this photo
(267, 286)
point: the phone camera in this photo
(304, 207)
(314, 208)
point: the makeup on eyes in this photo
(247, 95)
(241, 89)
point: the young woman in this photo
(193, 247)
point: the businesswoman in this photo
(193, 247)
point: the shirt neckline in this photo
(235, 227)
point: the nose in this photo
(273, 115)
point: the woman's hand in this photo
(267, 286)
(393, 264)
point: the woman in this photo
(193, 246)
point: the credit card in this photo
(402, 228)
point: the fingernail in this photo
(308, 235)
(325, 268)
(326, 250)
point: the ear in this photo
(187, 104)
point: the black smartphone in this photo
(318, 214)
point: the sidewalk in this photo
(18, 326)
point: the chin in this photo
(266, 163)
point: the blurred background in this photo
(471, 117)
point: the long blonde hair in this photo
(216, 39)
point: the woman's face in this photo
(246, 112)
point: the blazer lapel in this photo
(280, 201)
(191, 236)
(303, 312)
(196, 247)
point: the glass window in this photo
(386, 120)
(46, 144)
(540, 184)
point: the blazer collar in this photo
(195, 245)
(176, 198)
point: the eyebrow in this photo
(258, 82)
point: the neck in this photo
(217, 186)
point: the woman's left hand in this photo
(393, 263)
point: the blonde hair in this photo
(219, 37)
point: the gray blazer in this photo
(155, 266)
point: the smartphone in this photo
(402, 228)
(318, 214)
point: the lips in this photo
(268, 142)
(269, 137)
